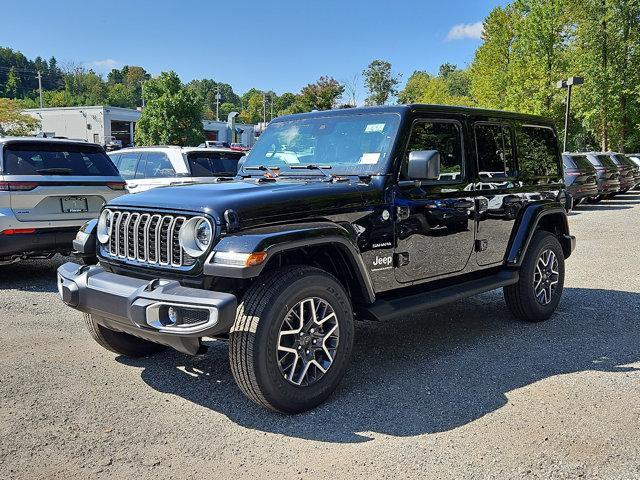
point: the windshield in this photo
(40, 158)
(214, 164)
(349, 145)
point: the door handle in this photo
(132, 185)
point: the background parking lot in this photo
(459, 391)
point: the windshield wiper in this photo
(313, 166)
(55, 171)
(256, 167)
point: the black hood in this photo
(253, 201)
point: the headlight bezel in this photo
(188, 236)
(104, 228)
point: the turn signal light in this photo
(18, 231)
(255, 259)
(239, 259)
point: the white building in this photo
(102, 124)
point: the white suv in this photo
(48, 189)
(144, 168)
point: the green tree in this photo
(380, 82)
(321, 95)
(172, 115)
(12, 88)
(449, 87)
(13, 121)
(120, 95)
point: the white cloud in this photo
(465, 30)
(103, 65)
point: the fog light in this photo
(174, 315)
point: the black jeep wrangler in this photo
(366, 213)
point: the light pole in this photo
(218, 97)
(568, 83)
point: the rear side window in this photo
(538, 152)
(495, 151)
(446, 138)
(40, 158)
(128, 164)
(213, 164)
(606, 161)
(568, 162)
(158, 165)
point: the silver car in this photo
(48, 189)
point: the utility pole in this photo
(40, 88)
(142, 92)
(218, 103)
(272, 107)
(568, 83)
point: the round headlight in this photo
(203, 233)
(196, 236)
(104, 226)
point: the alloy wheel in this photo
(308, 341)
(545, 276)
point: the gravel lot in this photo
(461, 391)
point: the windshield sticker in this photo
(374, 127)
(369, 158)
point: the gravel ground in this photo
(461, 391)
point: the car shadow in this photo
(429, 373)
(32, 275)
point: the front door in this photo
(435, 226)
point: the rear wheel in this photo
(118, 342)
(537, 294)
(292, 339)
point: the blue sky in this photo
(279, 44)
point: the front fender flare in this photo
(280, 238)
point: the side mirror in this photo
(424, 165)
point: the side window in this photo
(158, 166)
(538, 152)
(140, 169)
(128, 164)
(115, 159)
(495, 151)
(446, 138)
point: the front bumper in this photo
(139, 307)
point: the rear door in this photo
(154, 170)
(496, 181)
(58, 181)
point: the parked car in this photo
(48, 189)
(240, 147)
(627, 171)
(580, 177)
(335, 215)
(214, 144)
(148, 167)
(635, 158)
(608, 175)
(626, 159)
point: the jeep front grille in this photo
(147, 238)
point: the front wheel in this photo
(292, 339)
(537, 294)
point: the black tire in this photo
(253, 340)
(520, 297)
(594, 200)
(121, 343)
(577, 202)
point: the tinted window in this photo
(444, 137)
(39, 158)
(567, 162)
(128, 163)
(212, 164)
(606, 161)
(495, 151)
(538, 152)
(581, 162)
(158, 166)
(115, 159)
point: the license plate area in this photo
(74, 205)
